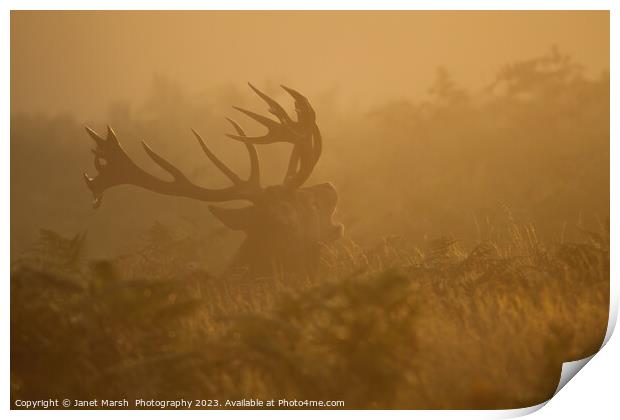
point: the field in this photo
(465, 284)
(390, 327)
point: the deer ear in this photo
(235, 219)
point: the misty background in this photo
(434, 123)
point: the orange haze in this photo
(79, 62)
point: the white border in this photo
(313, 5)
(599, 384)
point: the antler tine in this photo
(267, 122)
(305, 155)
(167, 166)
(93, 134)
(305, 112)
(115, 167)
(216, 161)
(303, 133)
(254, 177)
(274, 130)
(274, 107)
(304, 158)
(282, 131)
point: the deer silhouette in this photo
(285, 225)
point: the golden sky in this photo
(79, 62)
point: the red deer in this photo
(285, 225)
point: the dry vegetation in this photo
(395, 320)
(391, 327)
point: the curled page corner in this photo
(521, 412)
(569, 370)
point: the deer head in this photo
(284, 224)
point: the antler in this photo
(115, 167)
(304, 134)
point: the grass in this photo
(394, 326)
